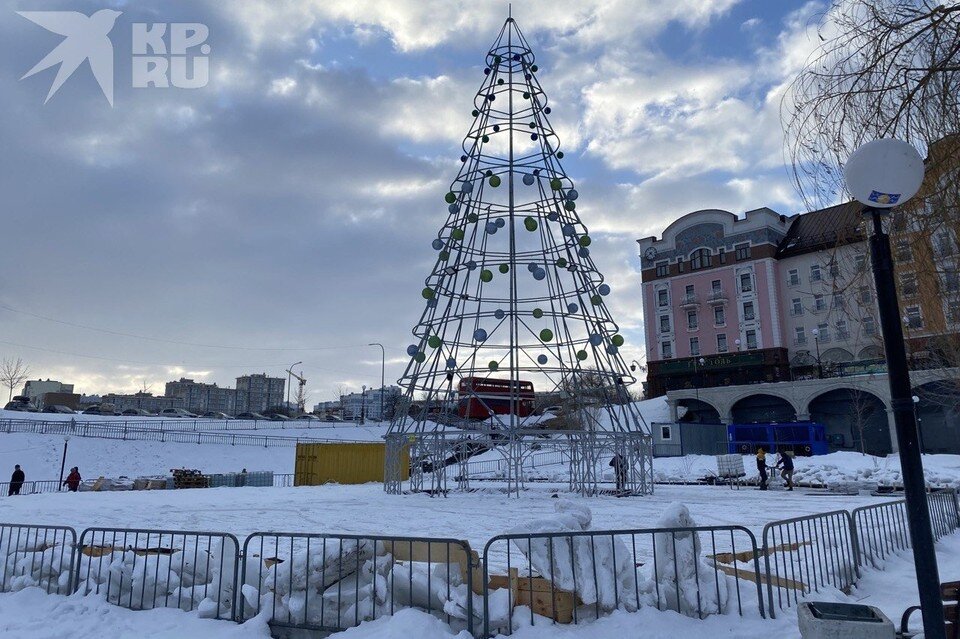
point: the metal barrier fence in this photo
(944, 514)
(144, 569)
(334, 582)
(571, 577)
(807, 554)
(40, 556)
(55, 426)
(31, 487)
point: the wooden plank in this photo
(779, 582)
(747, 555)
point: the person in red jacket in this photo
(73, 479)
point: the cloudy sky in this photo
(285, 211)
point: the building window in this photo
(692, 321)
(815, 273)
(689, 290)
(951, 281)
(837, 301)
(869, 325)
(842, 332)
(723, 255)
(722, 343)
(743, 252)
(667, 349)
(664, 323)
(834, 268)
(953, 311)
(860, 261)
(715, 286)
(694, 346)
(700, 259)
(865, 295)
(908, 284)
(680, 264)
(746, 284)
(663, 269)
(800, 337)
(819, 303)
(666, 433)
(751, 339)
(748, 315)
(823, 332)
(796, 307)
(914, 319)
(904, 254)
(793, 277)
(663, 298)
(719, 316)
(942, 244)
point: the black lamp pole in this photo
(908, 441)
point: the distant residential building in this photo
(144, 401)
(328, 408)
(200, 398)
(35, 389)
(258, 392)
(368, 403)
(70, 400)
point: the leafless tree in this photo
(13, 372)
(339, 392)
(862, 409)
(301, 398)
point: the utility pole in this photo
(383, 369)
(289, 375)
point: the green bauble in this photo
(504, 268)
(596, 300)
(485, 138)
(473, 217)
(493, 365)
(569, 205)
(538, 313)
(559, 155)
(530, 224)
(457, 234)
(546, 335)
(526, 95)
(585, 240)
(420, 357)
(434, 341)
(494, 181)
(474, 113)
(427, 293)
(617, 340)
(444, 256)
(534, 68)
(498, 59)
(450, 197)
(486, 275)
(562, 262)
(581, 355)
(556, 184)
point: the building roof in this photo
(825, 228)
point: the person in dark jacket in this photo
(786, 463)
(620, 470)
(72, 482)
(762, 467)
(16, 481)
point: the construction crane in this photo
(301, 397)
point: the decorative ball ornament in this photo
(539, 274)
(434, 342)
(493, 365)
(501, 222)
(463, 158)
(494, 181)
(546, 335)
(596, 300)
(486, 276)
(581, 355)
(437, 244)
(496, 128)
(884, 173)
(466, 187)
(412, 350)
(420, 357)
(541, 359)
(451, 363)
(547, 110)
(552, 216)
(612, 349)
(534, 136)
(596, 339)
(480, 335)
(568, 230)
(485, 138)
(526, 95)
(528, 179)
(585, 240)
(617, 340)
(472, 265)
(473, 218)
(530, 224)
(444, 255)
(454, 208)
(572, 308)
(457, 234)
(450, 197)
(500, 81)
(569, 205)
(504, 268)
(556, 184)
(534, 68)
(584, 252)
(561, 262)
(604, 289)
(538, 313)
(532, 266)
(432, 303)
(491, 228)
(559, 155)
(572, 194)
(427, 293)
(499, 314)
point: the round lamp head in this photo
(884, 173)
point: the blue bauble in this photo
(604, 289)
(568, 229)
(454, 208)
(480, 335)
(467, 187)
(491, 228)
(612, 349)
(432, 303)
(528, 179)
(583, 252)
(553, 217)
(541, 359)
(501, 222)
(596, 339)
(437, 244)
(572, 194)
(532, 266)
(539, 274)
(471, 265)
(572, 308)
(412, 350)
(499, 314)
(451, 363)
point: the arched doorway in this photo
(699, 411)
(938, 416)
(762, 408)
(836, 356)
(854, 420)
(700, 428)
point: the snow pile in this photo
(680, 579)
(345, 582)
(190, 577)
(598, 568)
(29, 559)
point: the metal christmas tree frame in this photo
(515, 295)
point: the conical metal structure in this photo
(514, 306)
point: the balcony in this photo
(688, 302)
(717, 298)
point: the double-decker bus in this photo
(481, 397)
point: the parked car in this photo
(95, 410)
(136, 412)
(308, 418)
(277, 417)
(214, 414)
(57, 408)
(177, 413)
(23, 407)
(332, 418)
(252, 416)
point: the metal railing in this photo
(143, 569)
(37, 556)
(571, 577)
(31, 487)
(804, 554)
(333, 582)
(883, 529)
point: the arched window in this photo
(700, 259)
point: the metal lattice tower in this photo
(515, 295)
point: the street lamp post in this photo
(289, 374)
(383, 370)
(880, 175)
(698, 378)
(816, 341)
(363, 404)
(63, 460)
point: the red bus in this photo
(481, 397)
